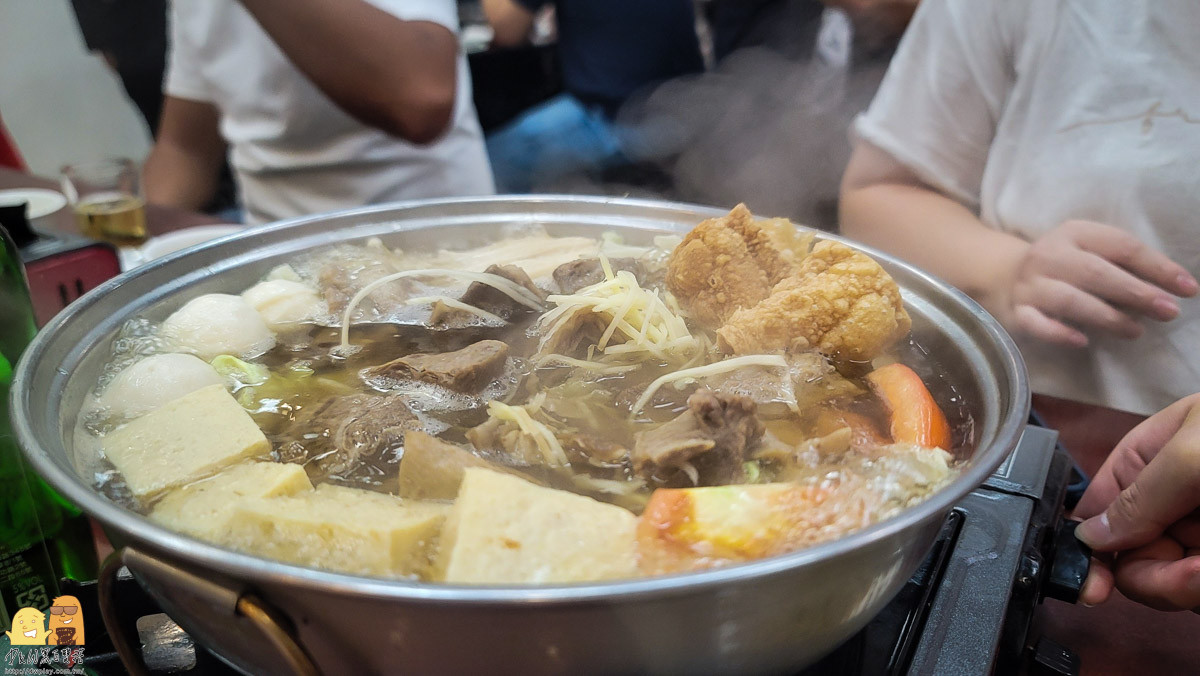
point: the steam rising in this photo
(769, 126)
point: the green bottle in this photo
(42, 537)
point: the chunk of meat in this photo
(507, 440)
(352, 268)
(467, 370)
(811, 379)
(712, 436)
(732, 262)
(499, 436)
(569, 337)
(865, 435)
(432, 469)
(593, 449)
(337, 288)
(488, 298)
(840, 302)
(335, 436)
(816, 380)
(492, 299)
(836, 432)
(585, 272)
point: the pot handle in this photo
(270, 623)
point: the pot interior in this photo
(981, 372)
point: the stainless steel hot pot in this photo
(264, 616)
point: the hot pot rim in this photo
(246, 567)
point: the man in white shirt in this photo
(1041, 155)
(324, 105)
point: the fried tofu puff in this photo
(839, 301)
(732, 262)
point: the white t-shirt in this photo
(1034, 112)
(294, 151)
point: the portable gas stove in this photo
(969, 607)
(967, 610)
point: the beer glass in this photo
(107, 200)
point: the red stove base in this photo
(61, 269)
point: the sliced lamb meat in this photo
(582, 328)
(506, 441)
(335, 436)
(817, 381)
(488, 298)
(351, 269)
(595, 450)
(467, 370)
(336, 287)
(665, 398)
(432, 469)
(712, 436)
(575, 275)
(569, 337)
(811, 379)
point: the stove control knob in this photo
(1051, 659)
(1070, 566)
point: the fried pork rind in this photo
(839, 301)
(732, 262)
(776, 243)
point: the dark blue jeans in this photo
(558, 137)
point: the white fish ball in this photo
(151, 382)
(217, 323)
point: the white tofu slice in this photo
(343, 529)
(203, 509)
(184, 440)
(505, 530)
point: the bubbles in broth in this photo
(544, 410)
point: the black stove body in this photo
(967, 610)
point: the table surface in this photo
(159, 219)
(1118, 637)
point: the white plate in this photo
(157, 247)
(40, 202)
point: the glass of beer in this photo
(107, 200)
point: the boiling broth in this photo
(591, 407)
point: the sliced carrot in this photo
(916, 417)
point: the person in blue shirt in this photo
(609, 50)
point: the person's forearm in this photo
(885, 204)
(511, 23)
(398, 76)
(173, 177)
(877, 23)
(184, 163)
(933, 232)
